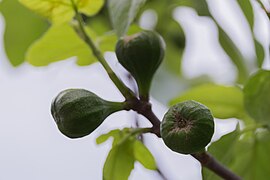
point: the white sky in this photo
(32, 148)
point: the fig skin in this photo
(141, 54)
(78, 112)
(187, 127)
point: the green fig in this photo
(187, 127)
(141, 54)
(78, 112)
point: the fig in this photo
(78, 112)
(187, 127)
(141, 54)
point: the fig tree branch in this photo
(143, 107)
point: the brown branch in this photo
(211, 163)
(204, 158)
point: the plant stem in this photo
(126, 92)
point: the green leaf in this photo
(199, 5)
(122, 13)
(61, 11)
(59, 43)
(252, 157)
(21, 29)
(259, 52)
(257, 96)
(223, 151)
(247, 156)
(120, 162)
(224, 101)
(247, 9)
(235, 55)
(144, 156)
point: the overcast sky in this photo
(32, 148)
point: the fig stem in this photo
(125, 91)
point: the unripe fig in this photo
(78, 112)
(141, 54)
(187, 127)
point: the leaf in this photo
(252, 157)
(126, 149)
(259, 52)
(247, 9)
(224, 101)
(235, 55)
(223, 151)
(61, 11)
(247, 156)
(119, 162)
(199, 5)
(106, 42)
(19, 32)
(59, 43)
(104, 137)
(122, 13)
(144, 156)
(89, 7)
(257, 96)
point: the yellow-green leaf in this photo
(120, 162)
(59, 43)
(61, 11)
(104, 137)
(21, 29)
(144, 156)
(90, 7)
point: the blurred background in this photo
(31, 147)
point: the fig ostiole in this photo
(187, 127)
(141, 54)
(78, 112)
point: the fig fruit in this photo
(78, 112)
(141, 54)
(187, 127)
